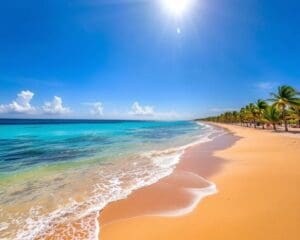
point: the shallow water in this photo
(55, 173)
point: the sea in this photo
(57, 175)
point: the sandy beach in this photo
(257, 176)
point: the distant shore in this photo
(257, 178)
(293, 132)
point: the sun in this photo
(176, 7)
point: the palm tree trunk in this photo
(284, 119)
(263, 126)
(299, 123)
(274, 126)
(286, 125)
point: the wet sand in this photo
(257, 174)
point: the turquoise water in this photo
(27, 146)
(63, 171)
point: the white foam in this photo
(167, 160)
(198, 193)
(97, 230)
(3, 226)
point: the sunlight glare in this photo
(176, 7)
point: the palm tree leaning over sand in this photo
(272, 116)
(284, 98)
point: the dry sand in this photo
(257, 174)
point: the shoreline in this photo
(191, 189)
(188, 176)
(294, 133)
(232, 213)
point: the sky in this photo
(137, 59)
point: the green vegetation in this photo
(272, 116)
(282, 108)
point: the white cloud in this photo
(55, 107)
(266, 85)
(137, 109)
(97, 108)
(148, 112)
(20, 105)
(2, 108)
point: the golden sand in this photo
(257, 174)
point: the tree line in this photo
(283, 107)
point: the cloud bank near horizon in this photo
(22, 106)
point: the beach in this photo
(256, 175)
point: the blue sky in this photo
(126, 59)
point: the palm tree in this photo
(235, 116)
(261, 106)
(295, 114)
(272, 115)
(254, 113)
(286, 101)
(284, 98)
(248, 115)
(242, 115)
